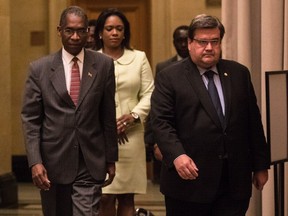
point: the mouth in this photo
(74, 44)
(208, 55)
(184, 51)
(115, 39)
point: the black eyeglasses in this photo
(81, 32)
(204, 43)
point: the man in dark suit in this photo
(180, 37)
(210, 158)
(71, 140)
(180, 42)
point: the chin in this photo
(210, 61)
(74, 51)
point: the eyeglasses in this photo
(204, 43)
(80, 32)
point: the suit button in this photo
(222, 157)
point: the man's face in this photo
(74, 34)
(91, 38)
(180, 43)
(205, 47)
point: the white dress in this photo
(134, 86)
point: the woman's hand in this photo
(122, 124)
(122, 138)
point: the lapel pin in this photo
(89, 74)
(225, 74)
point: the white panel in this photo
(278, 116)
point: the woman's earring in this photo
(100, 37)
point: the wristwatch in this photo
(135, 116)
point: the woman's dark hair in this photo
(100, 27)
(205, 21)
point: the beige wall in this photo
(27, 17)
(5, 94)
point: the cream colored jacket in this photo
(134, 84)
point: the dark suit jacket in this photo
(148, 135)
(185, 121)
(55, 130)
(161, 65)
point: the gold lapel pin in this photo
(89, 74)
(225, 74)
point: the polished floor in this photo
(29, 201)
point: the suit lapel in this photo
(88, 76)
(194, 77)
(58, 80)
(224, 74)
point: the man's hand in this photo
(111, 173)
(260, 178)
(39, 177)
(157, 152)
(185, 167)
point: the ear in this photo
(58, 31)
(100, 35)
(189, 43)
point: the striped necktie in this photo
(75, 81)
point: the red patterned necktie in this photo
(75, 81)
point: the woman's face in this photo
(113, 32)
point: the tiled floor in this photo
(29, 201)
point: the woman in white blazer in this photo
(134, 85)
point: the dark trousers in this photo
(223, 205)
(57, 201)
(80, 198)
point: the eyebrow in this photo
(113, 25)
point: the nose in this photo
(75, 35)
(209, 45)
(114, 31)
(90, 39)
(184, 44)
